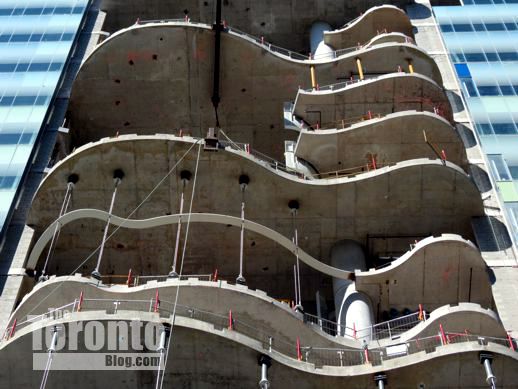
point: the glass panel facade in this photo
(36, 38)
(482, 40)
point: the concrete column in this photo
(353, 308)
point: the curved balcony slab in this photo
(462, 318)
(391, 138)
(411, 198)
(251, 306)
(158, 77)
(383, 95)
(217, 298)
(385, 18)
(197, 360)
(85, 214)
(395, 37)
(285, 22)
(437, 271)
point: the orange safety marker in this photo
(511, 343)
(354, 330)
(130, 277)
(299, 352)
(444, 340)
(366, 352)
(421, 313)
(80, 304)
(215, 276)
(13, 329)
(443, 155)
(157, 302)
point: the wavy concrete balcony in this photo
(200, 342)
(382, 95)
(450, 269)
(391, 138)
(158, 77)
(411, 198)
(449, 262)
(286, 22)
(385, 18)
(251, 306)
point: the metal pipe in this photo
(265, 362)
(117, 176)
(64, 207)
(217, 54)
(299, 303)
(243, 183)
(173, 273)
(490, 377)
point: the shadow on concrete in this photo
(419, 11)
(481, 178)
(455, 101)
(467, 135)
(491, 234)
(491, 275)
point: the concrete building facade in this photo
(296, 186)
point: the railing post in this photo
(13, 329)
(80, 303)
(230, 321)
(130, 276)
(444, 340)
(390, 333)
(511, 343)
(299, 352)
(157, 302)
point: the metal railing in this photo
(391, 329)
(267, 45)
(136, 280)
(290, 347)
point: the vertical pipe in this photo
(217, 53)
(64, 207)
(117, 175)
(360, 69)
(299, 303)
(295, 283)
(243, 184)
(173, 273)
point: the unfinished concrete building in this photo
(284, 190)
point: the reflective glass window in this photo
(504, 128)
(462, 27)
(508, 56)
(488, 90)
(446, 27)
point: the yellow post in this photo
(313, 77)
(360, 70)
(410, 66)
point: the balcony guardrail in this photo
(292, 348)
(271, 47)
